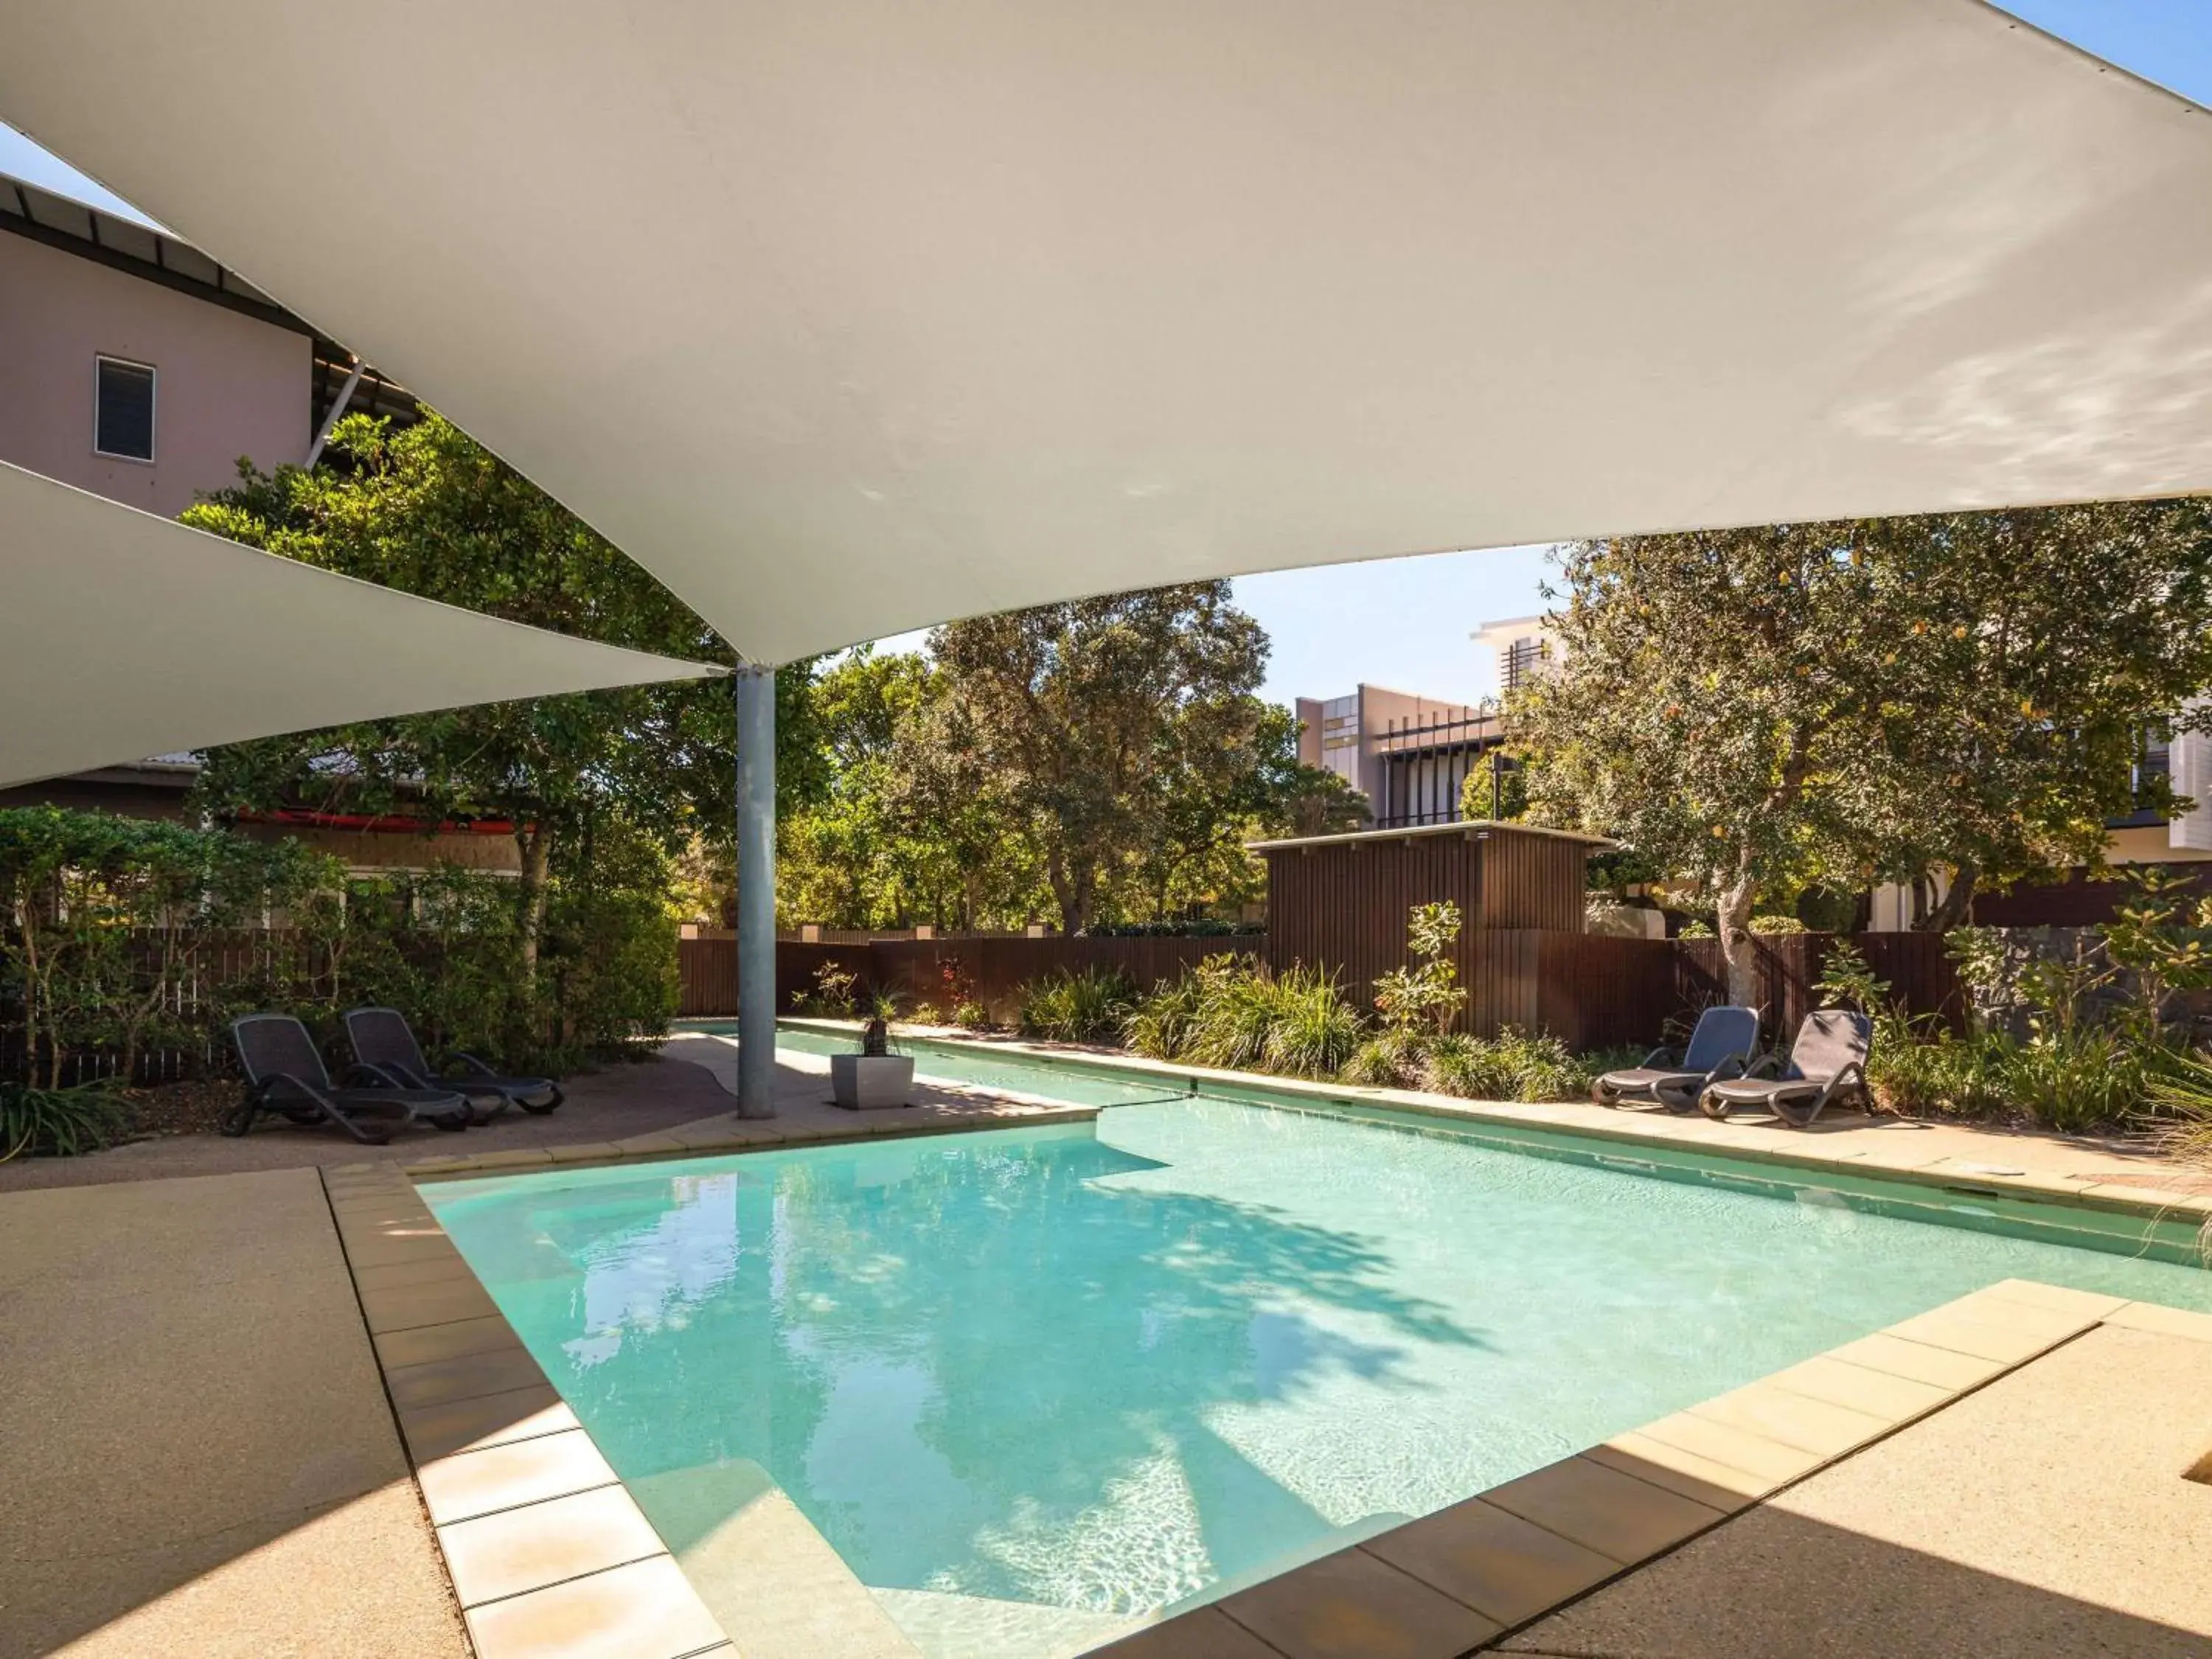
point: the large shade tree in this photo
(429, 511)
(1107, 760)
(1964, 694)
(1088, 716)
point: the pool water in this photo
(1060, 1376)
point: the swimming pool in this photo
(1042, 1381)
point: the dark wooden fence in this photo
(189, 996)
(990, 967)
(1588, 989)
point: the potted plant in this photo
(875, 1076)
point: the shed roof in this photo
(1470, 827)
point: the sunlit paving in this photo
(1000, 832)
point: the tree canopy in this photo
(1104, 759)
(1874, 700)
(429, 511)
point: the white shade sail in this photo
(123, 635)
(848, 316)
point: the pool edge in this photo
(1678, 1135)
(1490, 1565)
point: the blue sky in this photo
(1405, 622)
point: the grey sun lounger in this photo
(285, 1077)
(1828, 1060)
(385, 1043)
(1721, 1047)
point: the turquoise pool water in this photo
(1066, 1374)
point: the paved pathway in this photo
(605, 1105)
(199, 1457)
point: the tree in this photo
(2046, 643)
(907, 828)
(429, 512)
(958, 780)
(1769, 706)
(1085, 715)
(1227, 779)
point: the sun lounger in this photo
(285, 1076)
(1828, 1060)
(1721, 1047)
(383, 1042)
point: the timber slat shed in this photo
(1341, 902)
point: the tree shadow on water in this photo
(975, 1367)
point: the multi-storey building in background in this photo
(1409, 755)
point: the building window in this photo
(123, 423)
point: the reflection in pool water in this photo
(1048, 1369)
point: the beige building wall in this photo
(226, 383)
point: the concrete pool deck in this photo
(199, 1455)
(208, 1461)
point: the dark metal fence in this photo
(1425, 766)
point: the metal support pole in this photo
(337, 408)
(755, 695)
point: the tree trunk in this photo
(1063, 888)
(536, 844)
(1733, 926)
(1952, 911)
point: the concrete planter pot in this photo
(864, 1083)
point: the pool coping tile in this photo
(1711, 1462)
(1354, 1604)
(1879, 1393)
(1202, 1633)
(644, 1609)
(512, 1552)
(463, 1377)
(2165, 1321)
(1602, 1508)
(1791, 1419)
(427, 1344)
(1504, 1567)
(541, 1540)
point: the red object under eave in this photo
(386, 825)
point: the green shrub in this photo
(1391, 1060)
(2079, 1081)
(1772, 926)
(1231, 1013)
(1089, 1005)
(834, 996)
(972, 1016)
(60, 1122)
(1159, 1027)
(1428, 992)
(1468, 1066)
(1236, 1008)
(1539, 1067)
(1315, 1030)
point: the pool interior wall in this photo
(1040, 1382)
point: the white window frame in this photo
(153, 409)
